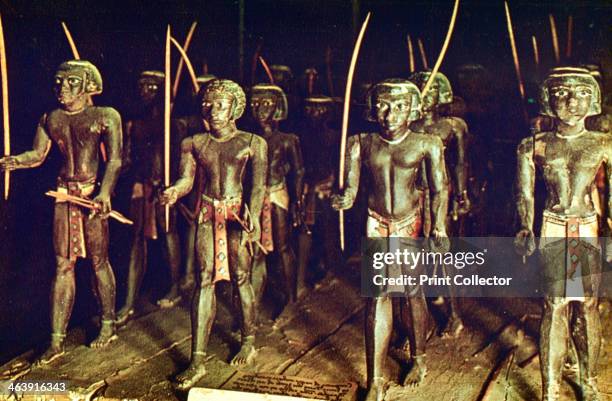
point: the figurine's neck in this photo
(268, 127)
(319, 125)
(395, 135)
(567, 130)
(226, 132)
(430, 116)
(77, 106)
(155, 110)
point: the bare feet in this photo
(377, 390)
(55, 351)
(124, 315)
(589, 390)
(454, 327)
(190, 376)
(171, 299)
(247, 352)
(401, 353)
(107, 335)
(187, 283)
(417, 372)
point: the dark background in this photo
(127, 37)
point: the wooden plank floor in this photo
(321, 337)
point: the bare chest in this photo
(385, 157)
(223, 156)
(74, 132)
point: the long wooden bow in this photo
(183, 52)
(167, 95)
(179, 68)
(449, 35)
(345, 118)
(5, 110)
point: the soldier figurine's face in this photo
(148, 89)
(432, 97)
(217, 109)
(570, 101)
(69, 86)
(263, 106)
(317, 113)
(392, 111)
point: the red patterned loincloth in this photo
(73, 233)
(219, 212)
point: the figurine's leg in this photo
(190, 258)
(138, 263)
(420, 318)
(454, 326)
(203, 308)
(379, 326)
(304, 247)
(96, 240)
(282, 231)
(172, 254)
(62, 301)
(259, 275)
(240, 262)
(332, 242)
(554, 332)
(587, 338)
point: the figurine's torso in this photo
(279, 146)
(148, 148)
(392, 170)
(569, 166)
(78, 137)
(223, 162)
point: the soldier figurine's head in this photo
(282, 75)
(570, 94)
(75, 81)
(150, 84)
(310, 81)
(318, 108)
(222, 102)
(268, 103)
(204, 79)
(439, 93)
(393, 103)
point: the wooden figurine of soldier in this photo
(283, 202)
(188, 126)
(568, 156)
(145, 152)
(453, 131)
(320, 147)
(394, 210)
(78, 128)
(234, 167)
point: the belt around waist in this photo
(555, 218)
(83, 188)
(387, 220)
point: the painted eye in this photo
(584, 93)
(560, 93)
(58, 81)
(74, 81)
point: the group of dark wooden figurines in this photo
(245, 193)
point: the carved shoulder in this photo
(109, 115)
(432, 144)
(525, 147)
(459, 125)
